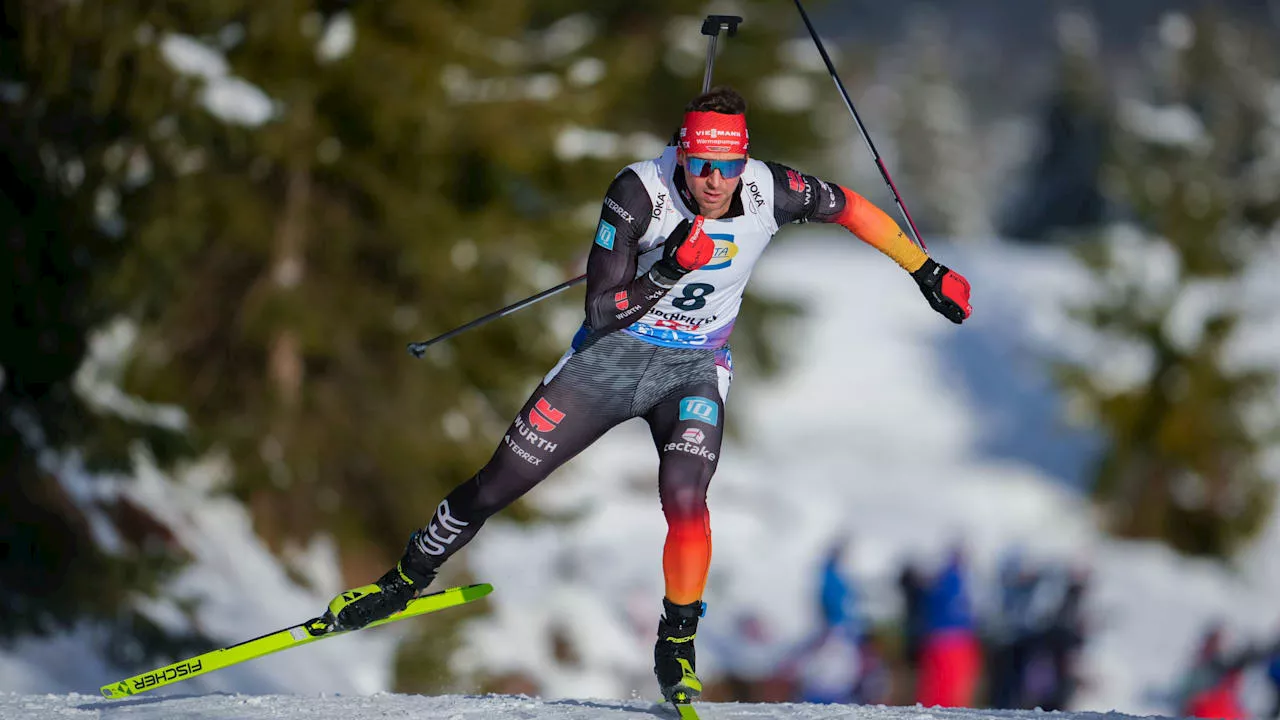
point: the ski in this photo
(301, 634)
(684, 706)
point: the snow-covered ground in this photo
(453, 707)
(889, 426)
(244, 592)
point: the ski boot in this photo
(386, 596)
(673, 655)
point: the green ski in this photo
(684, 706)
(301, 634)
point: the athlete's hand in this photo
(945, 289)
(687, 248)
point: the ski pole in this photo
(711, 27)
(884, 172)
(418, 349)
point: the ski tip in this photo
(116, 690)
(472, 592)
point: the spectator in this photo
(1062, 641)
(749, 655)
(951, 658)
(828, 667)
(1212, 686)
(1012, 634)
(911, 584)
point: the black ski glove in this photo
(946, 290)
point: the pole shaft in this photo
(862, 128)
(711, 61)
(418, 348)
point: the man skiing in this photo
(677, 239)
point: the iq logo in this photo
(605, 234)
(700, 409)
(726, 250)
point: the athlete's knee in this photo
(491, 489)
(683, 491)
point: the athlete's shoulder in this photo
(656, 168)
(757, 169)
(757, 186)
(786, 177)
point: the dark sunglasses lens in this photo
(731, 168)
(703, 168)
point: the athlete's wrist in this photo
(666, 273)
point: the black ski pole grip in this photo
(713, 24)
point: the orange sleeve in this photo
(862, 218)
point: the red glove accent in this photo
(956, 289)
(696, 249)
(946, 290)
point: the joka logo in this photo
(605, 234)
(757, 200)
(620, 300)
(700, 409)
(726, 250)
(543, 417)
(659, 207)
(694, 435)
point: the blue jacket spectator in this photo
(839, 597)
(947, 606)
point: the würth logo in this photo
(543, 417)
(796, 181)
(620, 300)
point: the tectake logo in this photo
(700, 409)
(726, 250)
(691, 448)
(831, 195)
(543, 417)
(694, 435)
(605, 234)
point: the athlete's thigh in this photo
(687, 428)
(586, 394)
(558, 421)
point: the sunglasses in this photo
(703, 168)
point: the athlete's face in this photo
(713, 192)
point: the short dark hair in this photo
(721, 99)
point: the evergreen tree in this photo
(1062, 192)
(78, 96)
(1183, 460)
(938, 147)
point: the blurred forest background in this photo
(222, 221)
